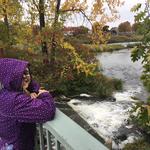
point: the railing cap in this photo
(71, 135)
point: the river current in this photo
(110, 119)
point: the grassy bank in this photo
(125, 38)
(106, 48)
(87, 38)
(109, 48)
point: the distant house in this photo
(68, 30)
(114, 31)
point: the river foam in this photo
(106, 118)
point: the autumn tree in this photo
(58, 11)
(97, 13)
(36, 10)
(99, 36)
(4, 32)
(135, 27)
(142, 51)
(11, 14)
(41, 9)
(125, 27)
(4, 14)
(66, 58)
(72, 65)
(55, 26)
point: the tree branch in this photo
(77, 10)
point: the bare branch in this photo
(86, 17)
(77, 10)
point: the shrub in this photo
(138, 145)
(72, 84)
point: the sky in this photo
(125, 13)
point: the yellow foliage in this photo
(98, 36)
(77, 62)
(148, 110)
(30, 50)
(74, 4)
(12, 9)
(96, 10)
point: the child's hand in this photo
(42, 91)
(33, 95)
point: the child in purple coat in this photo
(22, 105)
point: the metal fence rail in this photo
(67, 135)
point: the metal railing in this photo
(62, 133)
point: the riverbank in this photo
(87, 38)
(62, 104)
(125, 38)
(124, 134)
(111, 47)
(66, 106)
(108, 111)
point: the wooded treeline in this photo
(35, 28)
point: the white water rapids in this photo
(107, 117)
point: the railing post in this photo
(48, 139)
(36, 143)
(41, 137)
(57, 143)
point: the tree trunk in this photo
(42, 25)
(53, 47)
(6, 19)
(1, 52)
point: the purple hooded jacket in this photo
(18, 112)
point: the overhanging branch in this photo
(77, 10)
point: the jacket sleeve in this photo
(37, 110)
(33, 87)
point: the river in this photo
(110, 119)
(119, 65)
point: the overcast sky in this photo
(125, 13)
